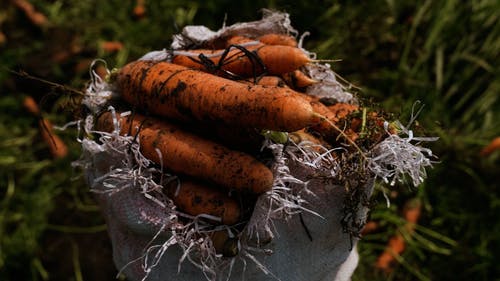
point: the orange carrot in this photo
(268, 39)
(278, 39)
(57, 147)
(396, 244)
(491, 147)
(298, 79)
(238, 40)
(111, 46)
(3, 38)
(185, 153)
(334, 114)
(369, 227)
(277, 59)
(195, 198)
(185, 94)
(268, 81)
(33, 15)
(282, 59)
(30, 104)
(271, 81)
(223, 244)
(303, 135)
(140, 9)
(234, 137)
(342, 110)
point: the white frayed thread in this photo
(285, 199)
(271, 22)
(98, 92)
(133, 170)
(328, 85)
(395, 157)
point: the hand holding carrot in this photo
(233, 159)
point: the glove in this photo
(304, 228)
(315, 241)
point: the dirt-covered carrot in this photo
(195, 198)
(223, 244)
(298, 79)
(334, 114)
(57, 147)
(268, 39)
(239, 40)
(244, 139)
(184, 153)
(277, 59)
(303, 135)
(316, 143)
(278, 39)
(269, 81)
(185, 94)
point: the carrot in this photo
(369, 227)
(396, 244)
(57, 147)
(342, 110)
(268, 81)
(184, 94)
(111, 46)
(234, 137)
(298, 79)
(334, 114)
(491, 147)
(277, 59)
(31, 106)
(195, 198)
(271, 81)
(278, 39)
(186, 153)
(318, 143)
(223, 244)
(31, 13)
(268, 39)
(3, 38)
(139, 11)
(238, 40)
(303, 135)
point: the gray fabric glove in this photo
(315, 242)
(304, 229)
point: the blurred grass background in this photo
(442, 53)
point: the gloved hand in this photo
(304, 228)
(314, 242)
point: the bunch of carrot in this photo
(199, 115)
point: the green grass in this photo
(442, 53)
